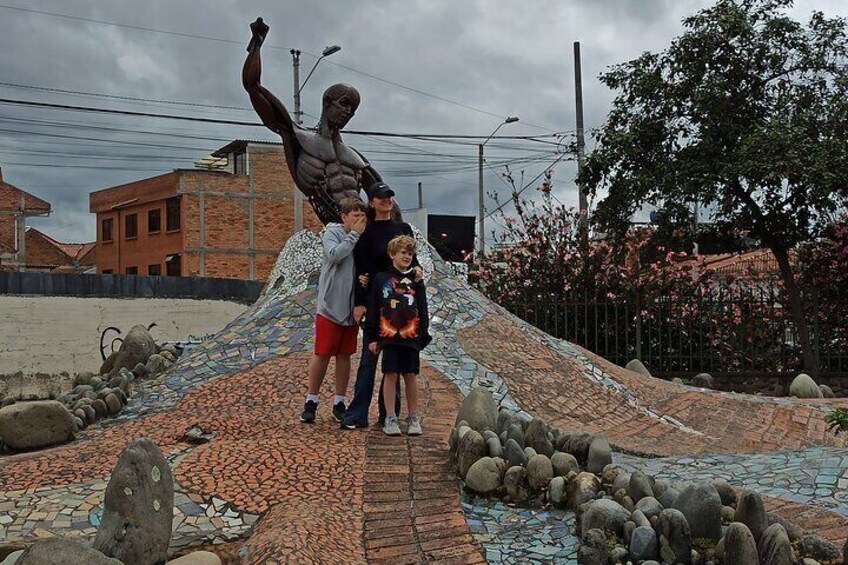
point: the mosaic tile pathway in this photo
(319, 494)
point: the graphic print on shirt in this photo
(399, 312)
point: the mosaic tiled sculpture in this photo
(324, 169)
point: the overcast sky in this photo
(422, 66)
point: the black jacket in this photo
(371, 256)
(397, 311)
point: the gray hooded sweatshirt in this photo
(335, 286)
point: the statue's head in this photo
(339, 105)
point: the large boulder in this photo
(556, 491)
(774, 547)
(593, 549)
(471, 447)
(564, 463)
(725, 492)
(577, 444)
(539, 472)
(31, 425)
(643, 543)
(751, 512)
(675, 538)
(815, 546)
(649, 506)
(156, 364)
(583, 488)
(536, 437)
(639, 486)
(479, 410)
(516, 484)
(138, 507)
(599, 456)
(606, 515)
(59, 551)
(484, 476)
(514, 453)
(197, 558)
(637, 366)
(703, 380)
(701, 505)
(138, 345)
(739, 546)
(803, 386)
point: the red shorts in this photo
(334, 339)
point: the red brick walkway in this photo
(552, 385)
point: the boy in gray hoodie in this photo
(335, 327)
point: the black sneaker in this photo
(339, 411)
(349, 424)
(309, 409)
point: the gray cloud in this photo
(507, 58)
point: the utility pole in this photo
(298, 196)
(481, 211)
(420, 195)
(581, 141)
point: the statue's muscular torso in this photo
(328, 164)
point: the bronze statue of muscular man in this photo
(324, 169)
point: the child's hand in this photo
(374, 347)
(363, 280)
(358, 313)
(419, 274)
(359, 225)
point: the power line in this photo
(230, 41)
(234, 122)
(127, 98)
(526, 186)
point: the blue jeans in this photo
(363, 389)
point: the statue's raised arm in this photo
(269, 108)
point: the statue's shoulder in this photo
(324, 149)
(314, 144)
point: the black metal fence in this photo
(129, 286)
(721, 330)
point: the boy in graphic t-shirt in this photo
(398, 327)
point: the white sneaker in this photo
(414, 426)
(391, 427)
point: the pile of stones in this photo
(135, 529)
(37, 424)
(621, 516)
(802, 386)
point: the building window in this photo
(131, 226)
(107, 271)
(106, 229)
(132, 270)
(154, 270)
(172, 214)
(173, 265)
(240, 163)
(154, 221)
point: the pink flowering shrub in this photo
(614, 296)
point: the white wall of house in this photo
(53, 334)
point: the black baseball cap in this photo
(379, 189)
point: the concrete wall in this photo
(53, 334)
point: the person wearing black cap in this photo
(371, 257)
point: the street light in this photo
(481, 237)
(298, 116)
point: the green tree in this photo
(745, 113)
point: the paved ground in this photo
(307, 494)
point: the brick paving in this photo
(553, 386)
(324, 494)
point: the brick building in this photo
(228, 223)
(24, 248)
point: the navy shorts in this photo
(399, 359)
